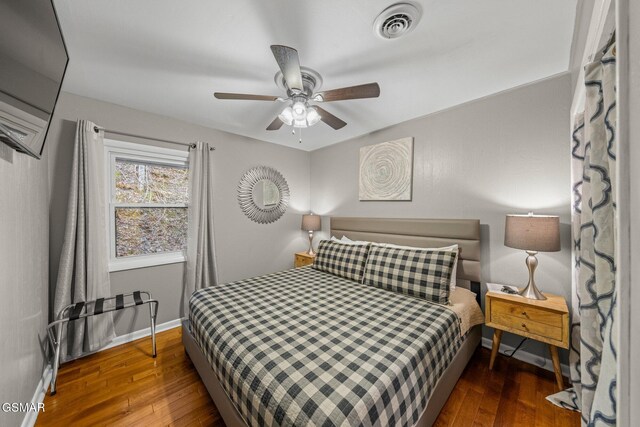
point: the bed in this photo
(305, 347)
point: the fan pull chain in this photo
(293, 132)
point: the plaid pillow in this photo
(341, 259)
(420, 273)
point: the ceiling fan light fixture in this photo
(302, 123)
(309, 117)
(286, 116)
(312, 116)
(301, 83)
(299, 110)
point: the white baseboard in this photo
(29, 419)
(135, 335)
(527, 357)
(43, 385)
(132, 336)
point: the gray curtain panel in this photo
(594, 332)
(84, 262)
(201, 268)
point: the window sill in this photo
(145, 261)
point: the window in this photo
(147, 195)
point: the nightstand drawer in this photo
(525, 325)
(303, 259)
(526, 313)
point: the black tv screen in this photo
(33, 61)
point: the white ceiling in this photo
(168, 57)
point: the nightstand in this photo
(546, 321)
(302, 259)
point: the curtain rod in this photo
(115, 132)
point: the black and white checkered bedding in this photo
(304, 347)
(420, 273)
(341, 259)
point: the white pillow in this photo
(453, 248)
(348, 241)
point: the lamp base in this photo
(531, 291)
(311, 251)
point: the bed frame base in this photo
(438, 398)
(228, 412)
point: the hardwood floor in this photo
(512, 394)
(124, 386)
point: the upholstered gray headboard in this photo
(425, 233)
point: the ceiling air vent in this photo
(397, 20)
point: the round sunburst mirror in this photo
(263, 194)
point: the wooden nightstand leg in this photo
(556, 365)
(497, 336)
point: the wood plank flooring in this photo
(512, 394)
(124, 386)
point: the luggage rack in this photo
(84, 309)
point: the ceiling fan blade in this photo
(330, 119)
(244, 96)
(289, 63)
(275, 124)
(369, 90)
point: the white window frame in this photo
(142, 153)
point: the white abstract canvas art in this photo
(386, 170)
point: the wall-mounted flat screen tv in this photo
(33, 61)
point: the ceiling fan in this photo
(300, 84)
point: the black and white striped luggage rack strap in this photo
(92, 308)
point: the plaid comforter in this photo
(304, 347)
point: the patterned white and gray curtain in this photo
(202, 270)
(83, 274)
(594, 332)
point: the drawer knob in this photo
(524, 326)
(524, 313)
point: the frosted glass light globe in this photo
(299, 110)
(286, 116)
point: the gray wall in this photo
(24, 261)
(244, 248)
(506, 153)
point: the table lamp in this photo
(311, 223)
(533, 234)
